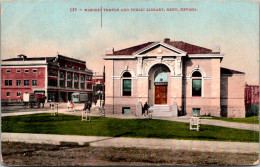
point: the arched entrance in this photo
(158, 85)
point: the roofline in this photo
(118, 57)
(232, 74)
(219, 55)
(181, 52)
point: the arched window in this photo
(196, 84)
(127, 84)
(75, 77)
(68, 76)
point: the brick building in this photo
(175, 78)
(57, 77)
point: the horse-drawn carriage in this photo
(31, 100)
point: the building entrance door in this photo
(160, 94)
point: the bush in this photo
(253, 111)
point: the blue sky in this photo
(43, 28)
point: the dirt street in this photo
(14, 153)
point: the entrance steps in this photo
(161, 111)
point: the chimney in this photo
(166, 40)
(109, 51)
(22, 56)
(216, 48)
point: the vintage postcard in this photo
(104, 83)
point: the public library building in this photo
(175, 79)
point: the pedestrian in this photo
(43, 100)
(146, 108)
(68, 104)
(85, 105)
(72, 104)
(89, 105)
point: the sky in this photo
(45, 28)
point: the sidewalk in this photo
(95, 112)
(192, 145)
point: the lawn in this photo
(248, 120)
(144, 128)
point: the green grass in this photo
(248, 120)
(145, 128)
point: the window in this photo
(75, 77)
(18, 82)
(26, 82)
(126, 110)
(196, 84)
(26, 70)
(69, 82)
(8, 94)
(62, 80)
(68, 76)
(19, 94)
(8, 71)
(53, 73)
(127, 84)
(34, 82)
(8, 82)
(18, 71)
(195, 112)
(82, 85)
(76, 82)
(52, 82)
(61, 75)
(34, 70)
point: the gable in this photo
(160, 49)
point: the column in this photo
(65, 80)
(58, 81)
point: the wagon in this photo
(32, 100)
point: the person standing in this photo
(72, 104)
(68, 104)
(89, 105)
(146, 108)
(85, 105)
(43, 100)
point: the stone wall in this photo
(232, 95)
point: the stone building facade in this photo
(169, 73)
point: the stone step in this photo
(161, 111)
(162, 114)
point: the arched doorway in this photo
(158, 85)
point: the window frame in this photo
(196, 79)
(122, 84)
(8, 82)
(17, 82)
(20, 93)
(18, 70)
(8, 71)
(28, 82)
(26, 70)
(35, 82)
(7, 94)
(34, 70)
(126, 108)
(193, 78)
